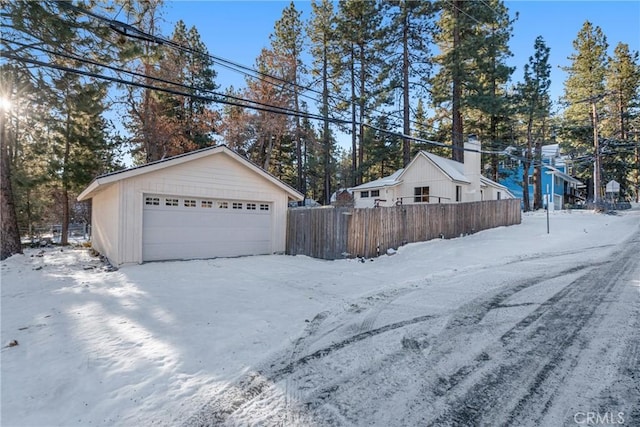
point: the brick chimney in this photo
(472, 168)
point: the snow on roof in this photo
(564, 176)
(387, 181)
(484, 181)
(551, 150)
(109, 178)
(454, 169)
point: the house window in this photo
(375, 193)
(364, 194)
(530, 179)
(458, 193)
(188, 203)
(499, 195)
(264, 207)
(237, 205)
(171, 202)
(223, 205)
(206, 204)
(251, 206)
(421, 194)
(152, 201)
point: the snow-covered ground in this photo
(406, 339)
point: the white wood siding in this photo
(423, 173)
(387, 197)
(217, 177)
(105, 221)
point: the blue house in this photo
(559, 189)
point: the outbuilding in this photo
(204, 204)
(429, 178)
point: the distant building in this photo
(429, 178)
(559, 189)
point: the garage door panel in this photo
(180, 232)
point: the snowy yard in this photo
(511, 325)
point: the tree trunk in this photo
(361, 106)
(354, 137)
(10, 233)
(325, 131)
(537, 175)
(406, 143)
(457, 127)
(64, 229)
(526, 166)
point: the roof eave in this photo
(103, 180)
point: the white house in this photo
(204, 204)
(433, 179)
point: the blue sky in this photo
(238, 30)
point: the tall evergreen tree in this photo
(584, 91)
(65, 35)
(622, 106)
(9, 232)
(408, 37)
(287, 43)
(487, 92)
(535, 104)
(188, 121)
(268, 129)
(360, 67)
(142, 55)
(321, 32)
(456, 45)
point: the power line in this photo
(158, 79)
(166, 90)
(133, 32)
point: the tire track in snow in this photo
(321, 403)
(260, 384)
(536, 354)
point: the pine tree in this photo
(188, 121)
(408, 35)
(534, 105)
(621, 107)
(584, 90)
(287, 43)
(268, 128)
(65, 35)
(456, 44)
(10, 233)
(142, 55)
(360, 68)
(321, 32)
(487, 92)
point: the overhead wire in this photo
(133, 32)
(160, 80)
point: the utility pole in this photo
(637, 167)
(596, 146)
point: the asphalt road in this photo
(547, 340)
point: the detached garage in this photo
(204, 204)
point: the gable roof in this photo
(387, 181)
(453, 169)
(105, 180)
(484, 181)
(562, 175)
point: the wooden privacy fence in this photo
(334, 233)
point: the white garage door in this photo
(189, 228)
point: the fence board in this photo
(334, 233)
